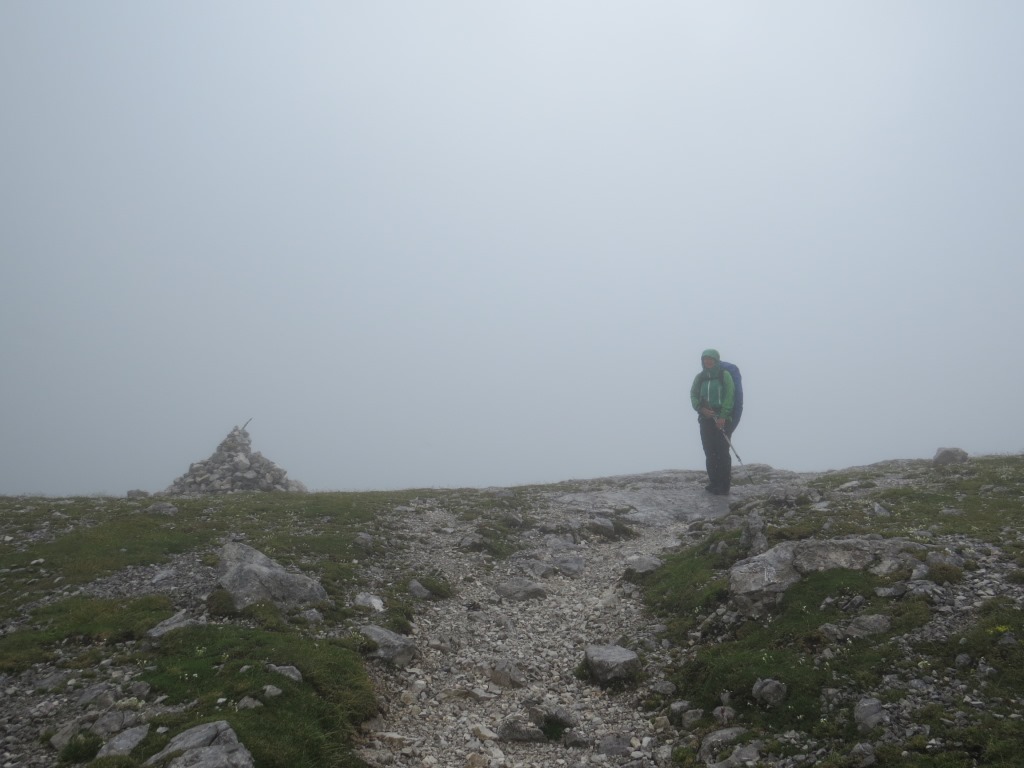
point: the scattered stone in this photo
(178, 621)
(863, 755)
(716, 740)
(723, 714)
(520, 728)
(366, 600)
(574, 739)
(483, 733)
(161, 508)
(312, 616)
(664, 687)
(569, 565)
(771, 693)
(615, 745)
(473, 542)
(519, 589)
(506, 674)
(113, 721)
(611, 664)
(124, 742)
(418, 591)
(292, 673)
(639, 566)
(691, 718)
(868, 713)
(391, 647)
(538, 569)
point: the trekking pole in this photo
(729, 443)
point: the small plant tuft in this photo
(945, 573)
(438, 585)
(82, 748)
(221, 603)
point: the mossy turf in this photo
(981, 502)
(52, 547)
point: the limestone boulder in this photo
(252, 577)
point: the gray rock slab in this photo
(391, 647)
(519, 589)
(252, 577)
(124, 742)
(210, 745)
(611, 663)
(180, 620)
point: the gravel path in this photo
(448, 707)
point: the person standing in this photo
(712, 395)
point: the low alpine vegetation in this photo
(890, 633)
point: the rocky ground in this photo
(486, 661)
(489, 668)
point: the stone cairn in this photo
(233, 468)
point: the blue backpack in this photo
(737, 405)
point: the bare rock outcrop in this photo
(252, 577)
(210, 745)
(782, 566)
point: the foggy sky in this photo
(472, 244)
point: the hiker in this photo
(712, 395)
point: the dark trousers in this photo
(716, 452)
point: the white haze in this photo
(471, 244)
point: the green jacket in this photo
(715, 388)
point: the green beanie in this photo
(711, 353)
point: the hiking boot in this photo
(720, 491)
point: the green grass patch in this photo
(436, 583)
(509, 503)
(80, 622)
(784, 646)
(81, 749)
(53, 545)
(88, 548)
(995, 636)
(945, 573)
(499, 538)
(86, 539)
(721, 651)
(979, 498)
(687, 587)
(992, 742)
(309, 725)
